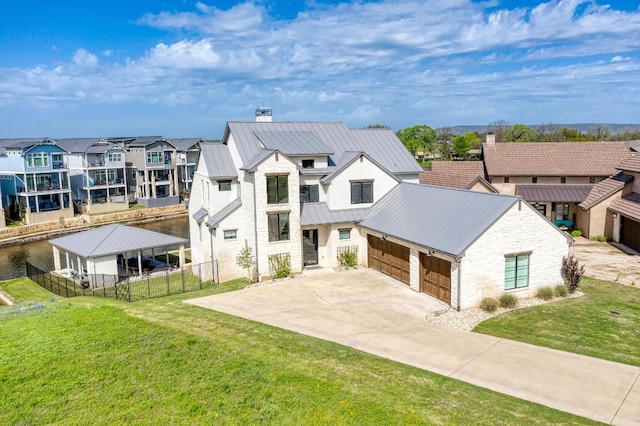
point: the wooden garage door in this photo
(435, 277)
(630, 235)
(389, 258)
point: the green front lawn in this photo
(585, 325)
(99, 361)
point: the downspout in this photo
(211, 231)
(459, 262)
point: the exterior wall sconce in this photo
(383, 237)
(615, 215)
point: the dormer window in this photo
(307, 164)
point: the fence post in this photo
(168, 285)
(115, 286)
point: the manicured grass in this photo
(23, 290)
(585, 325)
(99, 361)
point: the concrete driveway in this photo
(368, 311)
(607, 261)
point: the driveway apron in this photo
(371, 312)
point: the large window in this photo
(309, 194)
(277, 189)
(39, 159)
(361, 192)
(115, 157)
(278, 227)
(154, 157)
(516, 271)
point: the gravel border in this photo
(467, 319)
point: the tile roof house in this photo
(303, 193)
(624, 206)
(553, 176)
(457, 174)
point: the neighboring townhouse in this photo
(98, 175)
(303, 193)
(187, 152)
(290, 190)
(457, 174)
(34, 180)
(553, 176)
(152, 170)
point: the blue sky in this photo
(182, 68)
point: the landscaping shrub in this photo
(280, 265)
(576, 233)
(571, 272)
(348, 259)
(561, 290)
(545, 293)
(508, 300)
(489, 304)
(600, 238)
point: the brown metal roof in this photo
(605, 189)
(475, 168)
(453, 180)
(554, 158)
(554, 193)
(629, 206)
(631, 164)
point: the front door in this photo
(310, 246)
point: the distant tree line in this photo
(426, 142)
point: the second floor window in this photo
(224, 185)
(309, 194)
(39, 159)
(277, 189)
(154, 157)
(361, 192)
(115, 158)
(307, 164)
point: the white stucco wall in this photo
(362, 169)
(520, 230)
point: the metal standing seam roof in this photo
(381, 144)
(114, 239)
(184, 144)
(218, 217)
(605, 189)
(628, 206)
(558, 192)
(554, 158)
(259, 158)
(293, 143)
(320, 214)
(80, 145)
(200, 214)
(444, 219)
(218, 161)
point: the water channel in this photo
(40, 253)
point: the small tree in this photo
(246, 260)
(571, 272)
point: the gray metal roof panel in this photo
(200, 214)
(554, 192)
(341, 164)
(257, 159)
(444, 219)
(185, 144)
(218, 217)
(114, 239)
(218, 160)
(77, 145)
(320, 214)
(381, 144)
(293, 142)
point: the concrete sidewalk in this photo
(373, 313)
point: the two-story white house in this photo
(303, 193)
(290, 189)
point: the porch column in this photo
(80, 267)
(56, 258)
(616, 227)
(176, 183)
(139, 262)
(154, 192)
(181, 255)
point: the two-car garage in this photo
(393, 259)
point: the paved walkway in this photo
(370, 312)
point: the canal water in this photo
(40, 253)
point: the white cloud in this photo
(84, 59)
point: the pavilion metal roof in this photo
(114, 239)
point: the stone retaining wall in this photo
(25, 233)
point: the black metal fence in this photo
(130, 288)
